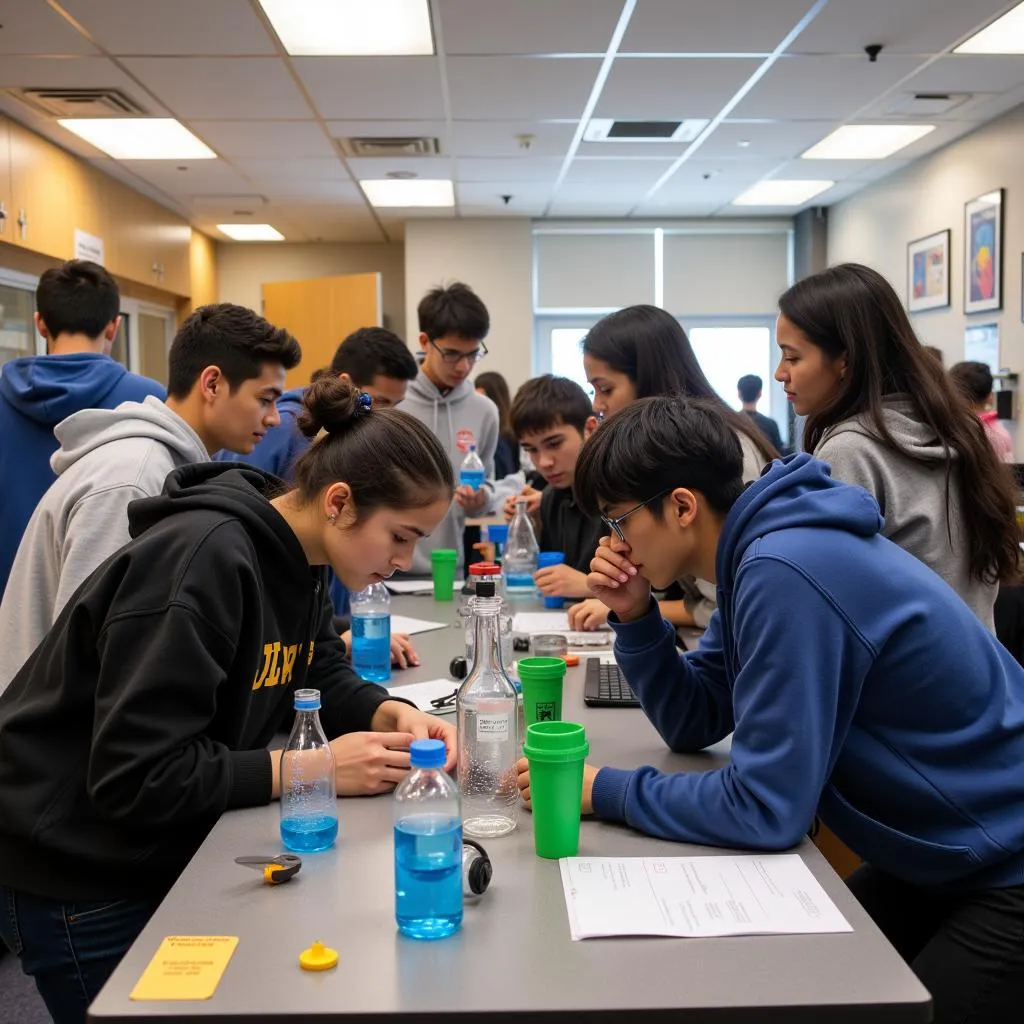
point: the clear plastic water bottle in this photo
(428, 847)
(371, 633)
(521, 552)
(309, 805)
(472, 472)
(488, 727)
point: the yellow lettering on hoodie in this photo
(312, 648)
(274, 676)
(289, 654)
(261, 676)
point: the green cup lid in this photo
(444, 555)
(556, 742)
(542, 669)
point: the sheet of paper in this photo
(421, 694)
(186, 967)
(695, 897)
(410, 586)
(540, 622)
(403, 624)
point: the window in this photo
(567, 355)
(17, 331)
(727, 353)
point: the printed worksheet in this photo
(696, 897)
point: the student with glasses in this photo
(453, 324)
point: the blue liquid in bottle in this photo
(309, 835)
(471, 478)
(428, 876)
(371, 647)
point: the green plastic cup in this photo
(442, 568)
(556, 752)
(542, 680)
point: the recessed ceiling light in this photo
(139, 138)
(406, 192)
(1004, 35)
(351, 28)
(743, 143)
(867, 141)
(251, 232)
(780, 192)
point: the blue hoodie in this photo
(276, 453)
(857, 686)
(36, 393)
(281, 445)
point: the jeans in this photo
(69, 949)
(967, 948)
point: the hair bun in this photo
(331, 404)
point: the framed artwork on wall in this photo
(983, 253)
(928, 272)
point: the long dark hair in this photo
(651, 348)
(852, 311)
(495, 387)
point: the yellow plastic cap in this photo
(318, 958)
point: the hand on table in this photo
(561, 581)
(402, 653)
(397, 716)
(588, 615)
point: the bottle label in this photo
(492, 728)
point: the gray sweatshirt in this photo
(107, 458)
(911, 495)
(458, 419)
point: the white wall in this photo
(874, 227)
(242, 267)
(495, 258)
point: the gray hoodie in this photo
(107, 458)
(458, 419)
(911, 495)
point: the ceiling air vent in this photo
(603, 129)
(56, 103)
(928, 104)
(398, 146)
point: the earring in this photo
(331, 518)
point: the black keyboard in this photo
(606, 687)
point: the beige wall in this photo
(494, 257)
(875, 226)
(242, 267)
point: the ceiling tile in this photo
(672, 87)
(387, 129)
(612, 193)
(527, 26)
(288, 167)
(818, 88)
(226, 87)
(636, 172)
(519, 87)
(200, 176)
(726, 26)
(503, 171)
(775, 139)
(831, 170)
(646, 150)
(70, 73)
(968, 73)
(37, 28)
(358, 88)
(421, 166)
(264, 138)
(564, 208)
(182, 28)
(498, 138)
(525, 195)
(677, 207)
(907, 26)
(298, 190)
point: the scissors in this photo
(282, 868)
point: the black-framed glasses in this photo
(613, 524)
(453, 356)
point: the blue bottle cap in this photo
(497, 533)
(307, 700)
(427, 754)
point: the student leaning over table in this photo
(857, 685)
(147, 710)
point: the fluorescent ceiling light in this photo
(351, 28)
(409, 192)
(867, 141)
(139, 138)
(779, 192)
(251, 232)
(1004, 35)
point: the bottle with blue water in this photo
(472, 472)
(428, 847)
(521, 554)
(371, 633)
(309, 805)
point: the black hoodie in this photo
(146, 711)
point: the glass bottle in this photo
(521, 553)
(488, 729)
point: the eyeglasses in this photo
(454, 356)
(613, 524)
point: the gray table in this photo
(513, 956)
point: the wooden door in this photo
(321, 312)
